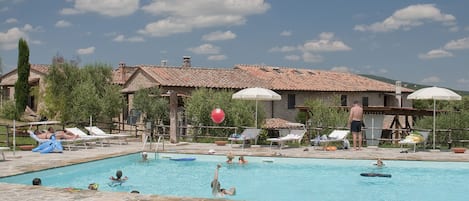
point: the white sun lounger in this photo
(414, 143)
(83, 135)
(94, 130)
(334, 136)
(4, 149)
(247, 134)
(295, 135)
(68, 142)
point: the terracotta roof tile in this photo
(203, 77)
(281, 78)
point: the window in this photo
(291, 101)
(343, 100)
(365, 101)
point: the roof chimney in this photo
(398, 93)
(164, 62)
(122, 71)
(186, 61)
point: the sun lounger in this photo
(334, 136)
(295, 135)
(68, 142)
(94, 130)
(247, 134)
(414, 139)
(3, 149)
(83, 135)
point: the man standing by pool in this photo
(355, 123)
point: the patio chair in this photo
(295, 135)
(83, 135)
(247, 134)
(415, 138)
(94, 130)
(334, 136)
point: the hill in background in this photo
(409, 85)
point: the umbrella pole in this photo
(256, 116)
(434, 123)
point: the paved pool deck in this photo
(27, 161)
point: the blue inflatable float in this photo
(51, 146)
(375, 175)
(182, 159)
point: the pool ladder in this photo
(157, 143)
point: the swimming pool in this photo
(283, 179)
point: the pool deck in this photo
(27, 161)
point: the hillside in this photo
(409, 85)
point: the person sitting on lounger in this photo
(60, 135)
(217, 190)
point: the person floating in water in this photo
(379, 163)
(230, 158)
(118, 180)
(144, 156)
(241, 160)
(37, 182)
(217, 190)
(93, 186)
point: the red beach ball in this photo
(218, 115)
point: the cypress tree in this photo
(22, 84)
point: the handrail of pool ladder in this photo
(161, 137)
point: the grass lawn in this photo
(21, 139)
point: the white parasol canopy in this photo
(257, 94)
(434, 93)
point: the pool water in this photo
(282, 179)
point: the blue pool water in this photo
(283, 179)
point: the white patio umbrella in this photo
(257, 94)
(434, 93)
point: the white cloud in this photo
(112, 8)
(283, 49)
(411, 16)
(216, 57)
(325, 44)
(180, 16)
(62, 23)
(435, 54)
(286, 33)
(344, 69)
(88, 50)
(122, 38)
(458, 44)
(11, 20)
(312, 58)
(9, 39)
(218, 35)
(431, 79)
(205, 49)
(292, 57)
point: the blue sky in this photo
(425, 42)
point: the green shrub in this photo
(8, 110)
